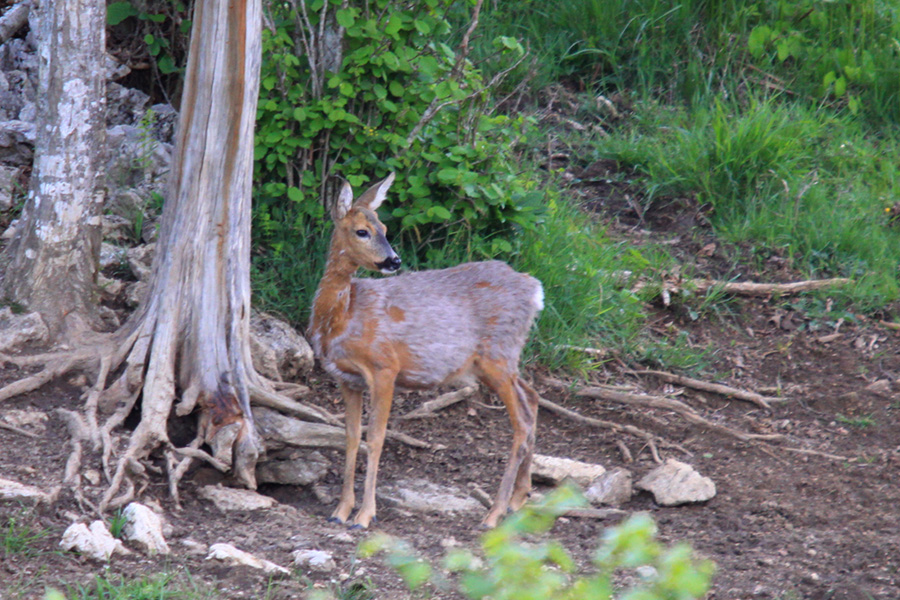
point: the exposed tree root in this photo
(717, 388)
(18, 430)
(430, 408)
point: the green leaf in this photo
(149, 39)
(118, 12)
(840, 86)
(345, 17)
(439, 212)
(448, 175)
(758, 39)
(422, 27)
(299, 114)
(166, 65)
(294, 194)
(396, 88)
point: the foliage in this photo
(514, 566)
(401, 100)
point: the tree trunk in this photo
(52, 259)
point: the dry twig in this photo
(717, 388)
(428, 409)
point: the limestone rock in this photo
(18, 330)
(18, 492)
(299, 468)
(10, 186)
(554, 470)
(424, 496)
(279, 352)
(230, 499)
(25, 418)
(674, 482)
(144, 528)
(278, 431)
(111, 255)
(231, 555)
(314, 560)
(94, 541)
(140, 260)
(613, 488)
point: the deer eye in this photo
(363, 233)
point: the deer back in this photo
(438, 323)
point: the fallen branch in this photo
(680, 408)
(717, 388)
(18, 430)
(594, 513)
(428, 409)
(629, 429)
(890, 325)
(263, 397)
(750, 288)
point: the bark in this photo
(52, 259)
(190, 338)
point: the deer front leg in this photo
(529, 400)
(382, 395)
(353, 425)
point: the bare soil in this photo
(783, 525)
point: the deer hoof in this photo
(335, 520)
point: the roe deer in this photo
(417, 331)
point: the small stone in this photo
(19, 330)
(613, 488)
(92, 476)
(231, 499)
(278, 351)
(646, 572)
(314, 560)
(303, 468)
(95, 541)
(194, 547)
(231, 555)
(554, 470)
(22, 418)
(144, 528)
(421, 495)
(674, 482)
(881, 387)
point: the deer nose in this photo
(390, 264)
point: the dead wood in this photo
(430, 408)
(263, 397)
(680, 408)
(889, 325)
(629, 429)
(594, 513)
(717, 388)
(749, 288)
(18, 430)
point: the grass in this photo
(20, 537)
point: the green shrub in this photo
(513, 566)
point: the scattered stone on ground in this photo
(231, 555)
(298, 467)
(144, 528)
(95, 541)
(19, 492)
(613, 488)
(555, 470)
(421, 495)
(279, 352)
(19, 330)
(35, 420)
(314, 560)
(229, 499)
(674, 482)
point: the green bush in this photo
(513, 566)
(401, 100)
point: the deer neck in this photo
(331, 308)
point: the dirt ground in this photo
(784, 524)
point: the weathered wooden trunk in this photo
(50, 265)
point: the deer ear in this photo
(375, 195)
(342, 203)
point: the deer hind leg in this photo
(498, 377)
(353, 423)
(528, 398)
(382, 395)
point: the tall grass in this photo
(796, 180)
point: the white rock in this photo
(13, 490)
(144, 528)
(229, 499)
(231, 555)
(314, 560)
(112, 255)
(300, 469)
(555, 470)
(425, 496)
(613, 488)
(140, 259)
(675, 482)
(94, 541)
(278, 351)
(18, 330)
(9, 186)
